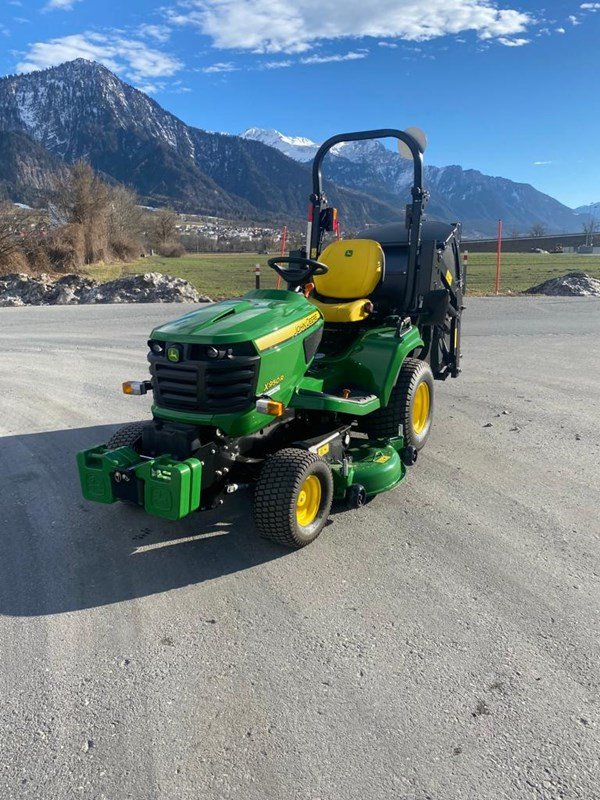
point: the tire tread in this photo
(281, 477)
(388, 422)
(126, 436)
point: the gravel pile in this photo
(573, 284)
(18, 289)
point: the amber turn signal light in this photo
(135, 387)
(267, 406)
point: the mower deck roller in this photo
(318, 392)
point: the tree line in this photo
(88, 221)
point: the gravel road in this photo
(441, 644)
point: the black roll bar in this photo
(358, 136)
(414, 211)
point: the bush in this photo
(16, 261)
(171, 249)
(65, 248)
(37, 257)
(126, 248)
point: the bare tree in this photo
(16, 236)
(125, 215)
(125, 223)
(82, 198)
(537, 231)
(164, 226)
(590, 228)
(95, 220)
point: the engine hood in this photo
(254, 317)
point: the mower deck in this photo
(171, 489)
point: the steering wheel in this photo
(300, 269)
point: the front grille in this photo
(217, 386)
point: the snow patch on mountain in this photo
(457, 194)
(297, 147)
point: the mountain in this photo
(27, 170)
(302, 149)
(296, 147)
(82, 110)
(476, 199)
(591, 210)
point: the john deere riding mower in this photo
(320, 391)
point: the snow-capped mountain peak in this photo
(81, 110)
(297, 147)
(468, 195)
(302, 149)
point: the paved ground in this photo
(442, 643)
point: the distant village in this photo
(197, 234)
(213, 234)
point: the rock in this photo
(573, 284)
(488, 425)
(18, 289)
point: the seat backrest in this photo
(355, 267)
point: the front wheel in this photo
(129, 435)
(409, 412)
(293, 497)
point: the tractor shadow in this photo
(60, 553)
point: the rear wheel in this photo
(409, 412)
(129, 435)
(293, 497)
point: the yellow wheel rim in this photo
(309, 500)
(421, 408)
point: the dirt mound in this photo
(573, 284)
(18, 289)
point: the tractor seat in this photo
(355, 267)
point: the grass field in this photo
(227, 275)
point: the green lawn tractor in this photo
(318, 392)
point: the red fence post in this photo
(498, 256)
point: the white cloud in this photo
(128, 57)
(60, 5)
(560, 30)
(574, 20)
(542, 163)
(513, 42)
(277, 64)
(590, 6)
(161, 33)
(387, 44)
(221, 66)
(272, 26)
(150, 88)
(352, 56)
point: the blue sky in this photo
(509, 89)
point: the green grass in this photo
(228, 275)
(520, 271)
(216, 274)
